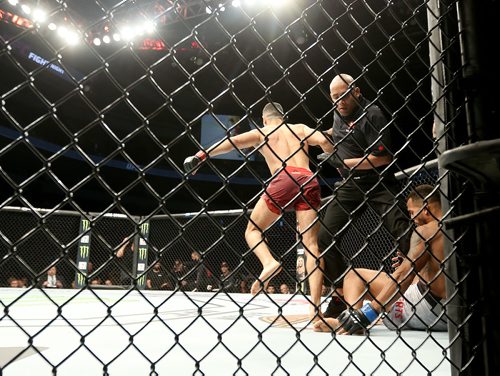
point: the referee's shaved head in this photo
(272, 110)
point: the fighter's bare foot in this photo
(314, 313)
(327, 324)
(269, 271)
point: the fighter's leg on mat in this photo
(359, 284)
(260, 220)
(308, 225)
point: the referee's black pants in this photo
(349, 201)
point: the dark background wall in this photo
(125, 107)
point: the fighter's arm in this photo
(367, 163)
(121, 251)
(241, 141)
(421, 245)
(318, 138)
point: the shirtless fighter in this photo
(292, 185)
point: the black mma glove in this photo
(353, 321)
(192, 163)
(333, 159)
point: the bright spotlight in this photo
(236, 3)
(106, 39)
(26, 9)
(301, 39)
(149, 26)
(127, 33)
(96, 41)
(208, 10)
(62, 31)
(117, 37)
(222, 8)
(277, 3)
(39, 15)
(197, 60)
(13, 2)
(71, 37)
(52, 26)
(138, 30)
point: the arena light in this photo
(62, 31)
(106, 39)
(236, 3)
(26, 8)
(97, 42)
(52, 26)
(197, 60)
(39, 15)
(13, 2)
(220, 7)
(138, 30)
(69, 36)
(72, 38)
(277, 3)
(117, 37)
(300, 39)
(127, 33)
(149, 26)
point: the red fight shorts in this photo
(293, 188)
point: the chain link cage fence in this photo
(101, 102)
(174, 238)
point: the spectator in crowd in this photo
(23, 282)
(363, 158)
(245, 283)
(13, 282)
(228, 281)
(204, 277)
(271, 289)
(157, 279)
(52, 281)
(179, 272)
(284, 289)
(325, 290)
(412, 293)
(125, 257)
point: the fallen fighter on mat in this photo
(413, 292)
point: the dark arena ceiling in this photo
(108, 96)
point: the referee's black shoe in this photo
(335, 307)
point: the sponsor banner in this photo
(141, 258)
(83, 254)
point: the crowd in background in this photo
(192, 275)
